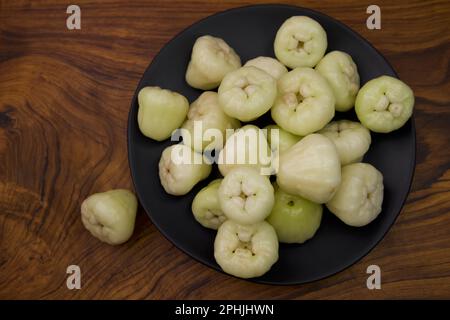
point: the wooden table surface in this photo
(64, 102)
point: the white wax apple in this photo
(384, 104)
(246, 196)
(246, 251)
(110, 216)
(279, 141)
(359, 198)
(295, 219)
(181, 168)
(206, 113)
(206, 206)
(342, 74)
(285, 139)
(305, 102)
(300, 42)
(212, 58)
(310, 169)
(352, 139)
(270, 65)
(160, 112)
(246, 147)
(247, 93)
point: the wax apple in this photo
(160, 112)
(247, 93)
(206, 206)
(212, 58)
(270, 65)
(294, 218)
(246, 251)
(305, 102)
(300, 42)
(342, 75)
(310, 169)
(384, 104)
(247, 147)
(285, 139)
(246, 196)
(181, 168)
(352, 139)
(206, 113)
(110, 216)
(359, 198)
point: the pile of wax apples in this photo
(319, 160)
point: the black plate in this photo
(251, 32)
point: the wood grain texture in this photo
(64, 101)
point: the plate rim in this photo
(198, 259)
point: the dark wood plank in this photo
(64, 101)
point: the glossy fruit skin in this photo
(206, 206)
(300, 42)
(206, 109)
(246, 196)
(305, 102)
(246, 251)
(211, 59)
(352, 139)
(247, 93)
(270, 65)
(110, 216)
(178, 178)
(294, 218)
(358, 200)
(342, 74)
(384, 104)
(160, 112)
(249, 144)
(310, 169)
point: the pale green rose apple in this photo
(295, 219)
(300, 42)
(246, 251)
(285, 139)
(206, 206)
(246, 147)
(270, 65)
(247, 93)
(110, 216)
(352, 139)
(212, 58)
(279, 141)
(181, 168)
(342, 75)
(384, 104)
(310, 169)
(160, 112)
(246, 196)
(206, 114)
(359, 198)
(305, 102)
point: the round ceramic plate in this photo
(251, 32)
